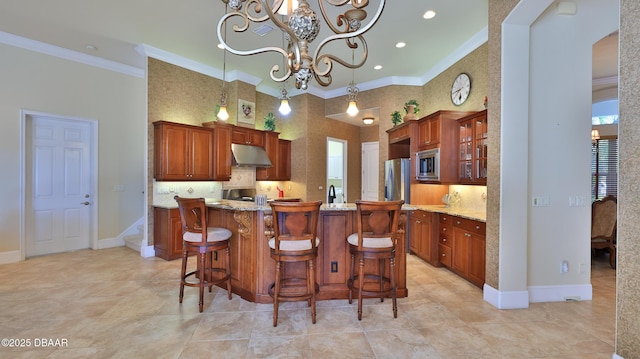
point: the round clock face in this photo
(460, 89)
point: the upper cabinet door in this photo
(247, 136)
(182, 152)
(472, 148)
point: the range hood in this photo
(249, 156)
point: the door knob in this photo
(85, 203)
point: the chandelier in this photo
(301, 28)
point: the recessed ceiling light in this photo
(377, 67)
(401, 45)
(91, 47)
(429, 14)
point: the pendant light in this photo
(352, 93)
(284, 108)
(223, 115)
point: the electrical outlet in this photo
(565, 267)
(334, 267)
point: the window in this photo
(604, 168)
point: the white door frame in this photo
(345, 155)
(93, 148)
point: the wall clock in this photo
(460, 89)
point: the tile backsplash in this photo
(164, 191)
(471, 197)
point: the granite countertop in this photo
(454, 211)
(251, 206)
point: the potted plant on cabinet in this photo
(396, 118)
(411, 110)
(270, 122)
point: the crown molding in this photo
(470, 45)
(60, 52)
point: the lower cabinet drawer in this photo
(445, 255)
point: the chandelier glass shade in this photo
(284, 109)
(301, 28)
(352, 97)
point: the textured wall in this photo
(628, 276)
(498, 11)
(437, 92)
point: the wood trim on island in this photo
(253, 270)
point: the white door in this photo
(58, 184)
(370, 170)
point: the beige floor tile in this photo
(121, 305)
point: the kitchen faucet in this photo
(332, 194)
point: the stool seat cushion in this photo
(293, 245)
(384, 242)
(214, 234)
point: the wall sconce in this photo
(367, 120)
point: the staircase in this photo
(134, 240)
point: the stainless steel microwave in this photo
(428, 165)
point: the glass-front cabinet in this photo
(472, 148)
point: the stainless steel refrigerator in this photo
(397, 184)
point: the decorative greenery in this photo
(270, 122)
(396, 117)
(411, 102)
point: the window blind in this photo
(604, 168)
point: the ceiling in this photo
(117, 30)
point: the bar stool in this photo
(202, 240)
(376, 238)
(295, 240)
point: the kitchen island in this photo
(253, 270)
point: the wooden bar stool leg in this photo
(312, 287)
(201, 257)
(353, 263)
(360, 285)
(183, 273)
(392, 276)
(381, 271)
(276, 293)
(228, 255)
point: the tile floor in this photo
(113, 303)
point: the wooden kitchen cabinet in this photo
(468, 250)
(222, 157)
(279, 152)
(222, 152)
(472, 148)
(167, 233)
(242, 250)
(400, 139)
(440, 130)
(247, 136)
(422, 241)
(445, 239)
(284, 160)
(182, 152)
(429, 133)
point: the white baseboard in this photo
(505, 300)
(110, 243)
(616, 356)
(560, 293)
(147, 251)
(10, 257)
